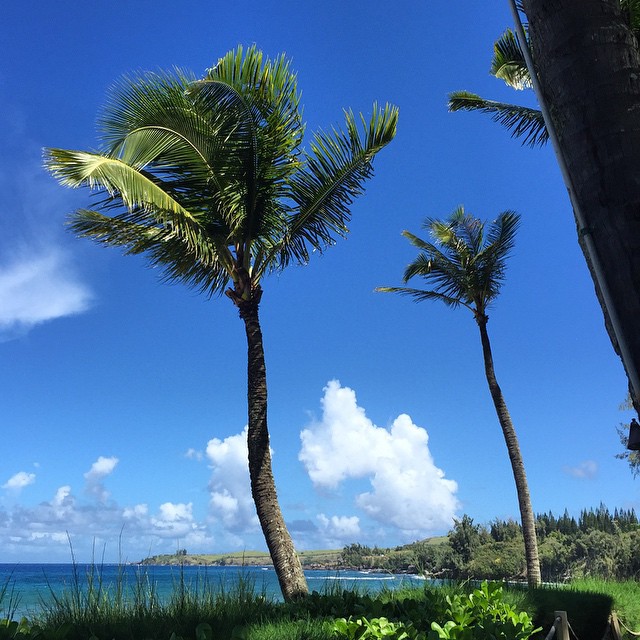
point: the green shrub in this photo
(479, 615)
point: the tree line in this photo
(598, 543)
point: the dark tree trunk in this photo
(285, 560)
(517, 464)
(588, 65)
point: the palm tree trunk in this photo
(517, 465)
(285, 560)
(588, 66)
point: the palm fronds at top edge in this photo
(508, 62)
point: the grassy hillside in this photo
(329, 558)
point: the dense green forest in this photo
(596, 544)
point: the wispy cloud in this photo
(39, 279)
(36, 288)
(19, 481)
(408, 491)
(585, 470)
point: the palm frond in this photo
(420, 295)
(631, 9)
(464, 265)
(523, 122)
(163, 247)
(146, 201)
(329, 179)
(508, 62)
(207, 177)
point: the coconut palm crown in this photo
(465, 263)
(208, 178)
(465, 266)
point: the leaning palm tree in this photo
(466, 267)
(209, 180)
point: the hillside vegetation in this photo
(597, 544)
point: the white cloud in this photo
(100, 469)
(194, 454)
(585, 470)
(408, 491)
(174, 520)
(37, 287)
(341, 529)
(230, 499)
(19, 481)
(39, 277)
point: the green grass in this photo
(625, 595)
(92, 610)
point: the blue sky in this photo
(123, 400)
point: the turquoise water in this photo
(30, 586)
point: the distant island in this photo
(323, 559)
(351, 557)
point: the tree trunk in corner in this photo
(517, 465)
(285, 560)
(588, 65)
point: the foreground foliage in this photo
(202, 611)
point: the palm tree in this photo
(208, 179)
(467, 267)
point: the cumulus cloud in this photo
(341, 529)
(230, 500)
(585, 470)
(46, 529)
(19, 481)
(35, 288)
(100, 469)
(408, 491)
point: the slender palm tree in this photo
(466, 267)
(209, 180)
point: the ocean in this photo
(29, 587)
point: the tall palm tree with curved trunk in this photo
(466, 266)
(208, 178)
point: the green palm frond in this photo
(631, 9)
(508, 62)
(330, 177)
(523, 122)
(208, 178)
(161, 245)
(464, 264)
(420, 295)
